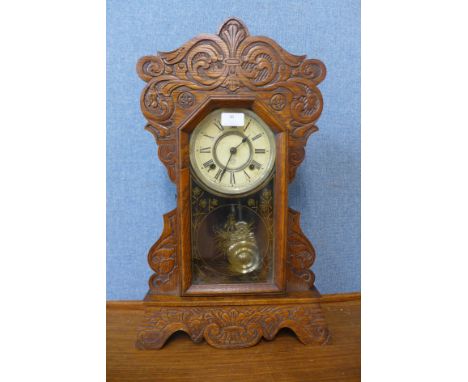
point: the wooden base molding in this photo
(283, 360)
(239, 324)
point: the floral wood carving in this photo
(301, 254)
(231, 62)
(162, 256)
(232, 327)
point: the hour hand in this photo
(243, 140)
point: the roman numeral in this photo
(256, 137)
(218, 125)
(208, 136)
(208, 163)
(218, 174)
(233, 178)
(259, 151)
(205, 150)
(246, 126)
(247, 175)
(256, 164)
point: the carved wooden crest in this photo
(231, 62)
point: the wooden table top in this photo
(283, 359)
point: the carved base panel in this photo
(234, 326)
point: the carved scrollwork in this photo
(314, 70)
(158, 104)
(167, 147)
(306, 106)
(301, 253)
(233, 62)
(232, 327)
(151, 66)
(162, 256)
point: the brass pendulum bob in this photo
(237, 241)
(242, 253)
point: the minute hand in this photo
(225, 167)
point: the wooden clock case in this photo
(231, 69)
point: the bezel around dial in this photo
(267, 169)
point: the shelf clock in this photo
(231, 114)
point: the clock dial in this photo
(232, 151)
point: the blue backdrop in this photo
(327, 186)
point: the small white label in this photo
(232, 119)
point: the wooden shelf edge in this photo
(324, 299)
(340, 297)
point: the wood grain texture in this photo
(232, 322)
(162, 257)
(230, 69)
(278, 282)
(284, 359)
(232, 327)
(301, 255)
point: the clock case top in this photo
(230, 69)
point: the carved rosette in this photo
(232, 327)
(231, 62)
(301, 254)
(162, 256)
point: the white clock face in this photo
(232, 151)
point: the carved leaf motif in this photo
(233, 32)
(162, 256)
(167, 149)
(232, 327)
(313, 70)
(301, 253)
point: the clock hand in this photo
(233, 150)
(243, 140)
(225, 167)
